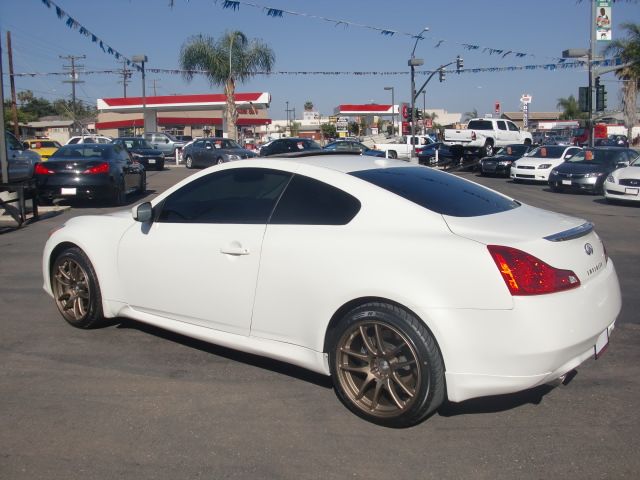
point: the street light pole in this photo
(393, 110)
(142, 59)
(414, 62)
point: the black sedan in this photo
(351, 146)
(90, 171)
(288, 145)
(211, 151)
(587, 170)
(142, 152)
(500, 163)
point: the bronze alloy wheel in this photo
(378, 369)
(71, 290)
(76, 290)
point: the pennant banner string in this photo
(280, 13)
(84, 31)
(513, 68)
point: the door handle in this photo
(234, 250)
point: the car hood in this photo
(569, 167)
(628, 172)
(502, 158)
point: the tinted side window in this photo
(438, 191)
(241, 195)
(307, 201)
(501, 125)
(512, 127)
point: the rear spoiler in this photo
(572, 233)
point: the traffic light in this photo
(583, 100)
(418, 114)
(442, 74)
(409, 113)
(601, 98)
(459, 63)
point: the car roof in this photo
(330, 161)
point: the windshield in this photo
(513, 150)
(130, 143)
(83, 151)
(548, 151)
(599, 157)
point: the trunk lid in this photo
(562, 241)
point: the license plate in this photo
(67, 191)
(566, 182)
(632, 191)
(601, 344)
(152, 160)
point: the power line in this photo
(73, 68)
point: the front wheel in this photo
(386, 366)
(487, 150)
(119, 194)
(76, 289)
(189, 162)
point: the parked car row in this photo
(610, 171)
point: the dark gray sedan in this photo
(211, 151)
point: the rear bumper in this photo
(491, 352)
(98, 187)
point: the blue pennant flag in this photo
(231, 4)
(274, 12)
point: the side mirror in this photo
(25, 145)
(166, 140)
(142, 213)
(622, 164)
(568, 156)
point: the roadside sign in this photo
(333, 118)
(526, 98)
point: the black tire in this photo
(76, 289)
(45, 201)
(555, 188)
(160, 166)
(487, 150)
(219, 161)
(527, 141)
(393, 154)
(188, 162)
(119, 194)
(394, 377)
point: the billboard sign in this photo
(603, 20)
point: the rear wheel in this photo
(386, 366)
(188, 162)
(393, 154)
(76, 290)
(142, 186)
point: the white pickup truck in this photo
(484, 135)
(401, 147)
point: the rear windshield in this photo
(438, 191)
(82, 151)
(480, 125)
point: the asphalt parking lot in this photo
(133, 401)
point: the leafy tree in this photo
(628, 49)
(308, 106)
(353, 128)
(228, 59)
(328, 130)
(570, 108)
(294, 128)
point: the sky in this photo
(308, 42)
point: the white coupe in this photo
(624, 183)
(406, 285)
(537, 164)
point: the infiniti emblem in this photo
(588, 248)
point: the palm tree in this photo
(469, 115)
(308, 106)
(570, 108)
(228, 59)
(628, 50)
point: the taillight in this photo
(40, 169)
(473, 135)
(100, 168)
(525, 274)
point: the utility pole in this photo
(14, 104)
(73, 68)
(155, 93)
(126, 75)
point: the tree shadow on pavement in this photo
(234, 355)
